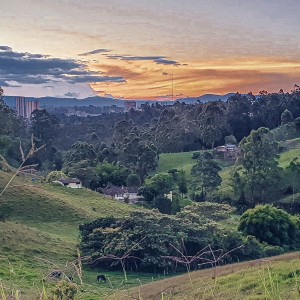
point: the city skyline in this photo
(130, 49)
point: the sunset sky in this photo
(130, 48)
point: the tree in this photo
(8, 122)
(55, 175)
(230, 139)
(286, 117)
(150, 238)
(269, 224)
(157, 185)
(44, 125)
(133, 180)
(211, 123)
(259, 164)
(163, 204)
(206, 171)
(182, 184)
(81, 151)
(294, 169)
(141, 156)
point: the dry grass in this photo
(212, 284)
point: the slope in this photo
(272, 278)
(39, 232)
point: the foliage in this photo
(44, 125)
(149, 238)
(157, 185)
(55, 175)
(269, 224)
(163, 204)
(286, 117)
(206, 171)
(230, 139)
(133, 180)
(207, 211)
(182, 182)
(65, 291)
(107, 173)
(80, 151)
(260, 172)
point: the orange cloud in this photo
(147, 80)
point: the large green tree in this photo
(44, 125)
(269, 224)
(259, 165)
(206, 171)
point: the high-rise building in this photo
(20, 107)
(30, 107)
(24, 109)
(129, 105)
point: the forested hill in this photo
(182, 127)
(105, 101)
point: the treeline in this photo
(192, 239)
(183, 127)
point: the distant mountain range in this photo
(102, 101)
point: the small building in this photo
(229, 151)
(122, 193)
(73, 183)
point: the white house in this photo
(122, 193)
(72, 183)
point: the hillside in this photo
(40, 233)
(271, 278)
(183, 160)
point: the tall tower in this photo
(20, 107)
(30, 107)
(129, 105)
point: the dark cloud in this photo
(72, 94)
(5, 48)
(96, 51)
(160, 60)
(27, 68)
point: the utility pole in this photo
(172, 87)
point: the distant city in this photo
(24, 108)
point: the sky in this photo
(141, 49)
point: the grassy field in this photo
(182, 160)
(275, 278)
(40, 233)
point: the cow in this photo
(101, 278)
(55, 274)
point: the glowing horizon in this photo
(129, 49)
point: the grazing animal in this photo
(70, 278)
(101, 278)
(55, 274)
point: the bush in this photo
(273, 250)
(195, 155)
(269, 224)
(133, 180)
(55, 175)
(163, 204)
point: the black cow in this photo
(101, 278)
(55, 274)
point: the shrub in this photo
(133, 180)
(55, 175)
(273, 250)
(269, 224)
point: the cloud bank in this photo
(19, 68)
